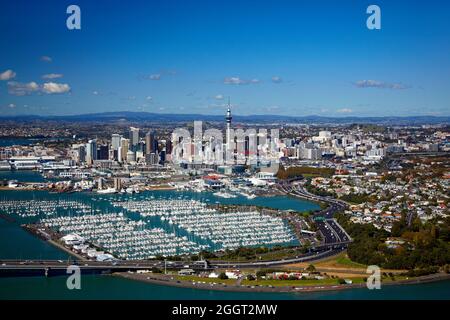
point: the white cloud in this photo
(95, 93)
(155, 76)
(46, 59)
(22, 89)
(219, 97)
(380, 85)
(344, 110)
(12, 105)
(7, 75)
(277, 79)
(148, 98)
(233, 80)
(239, 81)
(272, 108)
(55, 88)
(52, 76)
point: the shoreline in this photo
(166, 280)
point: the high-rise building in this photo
(115, 141)
(91, 151)
(134, 136)
(309, 152)
(78, 153)
(123, 150)
(103, 152)
(168, 146)
(162, 157)
(151, 144)
(131, 156)
(152, 158)
(115, 146)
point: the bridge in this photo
(14, 268)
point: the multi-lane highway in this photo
(59, 267)
(331, 230)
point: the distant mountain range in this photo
(161, 117)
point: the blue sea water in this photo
(22, 176)
(111, 287)
(7, 142)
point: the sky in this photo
(269, 57)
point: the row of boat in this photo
(185, 225)
(230, 230)
(125, 238)
(35, 208)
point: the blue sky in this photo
(271, 57)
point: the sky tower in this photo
(228, 119)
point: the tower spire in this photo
(228, 117)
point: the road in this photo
(331, 230)
(54, 267)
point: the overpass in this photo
(330, 229)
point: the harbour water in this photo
(21, 176)
(5, 142)
(111, 287)
(34, 206)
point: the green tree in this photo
(223, 276)
(311, 268)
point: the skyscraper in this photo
(151, 144)
(123, 150)
(115, 141)
(168, 146)
(115, 145)
(134, 136)
(103, 152)
(91, 151)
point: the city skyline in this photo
(297, 58)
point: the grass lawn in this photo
(207, 280)
(396, 278)
(344, 260)
(271, 255)
(296, 283)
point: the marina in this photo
(151, 223)
(124, 238)
(228, 229)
